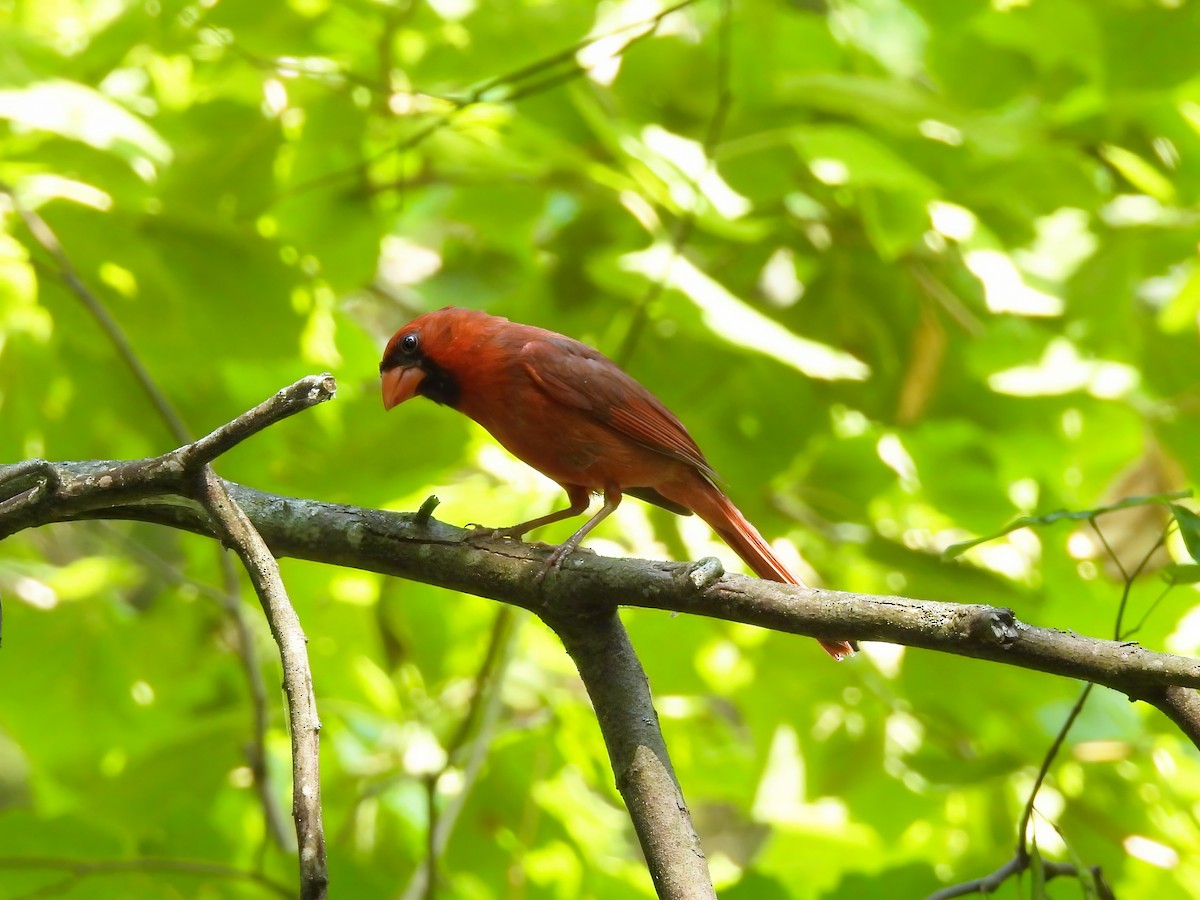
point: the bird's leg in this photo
(579, 497)
(612, 499)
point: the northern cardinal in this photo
(572, 414)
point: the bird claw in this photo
(477, 533)
(552, 563)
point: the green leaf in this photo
(1141, 174)
(82, 113)
(1182, 311)
(841, 154)
(1182, 573)
(1189, 529)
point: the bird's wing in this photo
(575, 375)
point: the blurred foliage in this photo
(937, 270)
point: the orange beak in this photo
(400, 384)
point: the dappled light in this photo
(920, 277)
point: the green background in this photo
(938, 270)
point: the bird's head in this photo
(421, 357)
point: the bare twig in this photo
(1181, 705)
(431, 850)
(45, 236)
(302, 395)
(990, 883)
(1022, 853)
(517, 83)
(297, 68)
(256, 752)
(236, 529)
(229, 599)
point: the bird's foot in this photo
(553, 562)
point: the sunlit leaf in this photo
(81, 113)
(908, 270)
(1189, 529)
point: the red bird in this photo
(572, 414)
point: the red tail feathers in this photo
(736, 530)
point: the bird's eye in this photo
(409, 343)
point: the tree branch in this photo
(423, 549)
(466, 751)
(533, 78)
(235, 529)
(1182, 706)
(1022, 859)
(616, 683)
(989, 883)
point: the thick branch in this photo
(1182, 706)
(32, 488)
(620, 694)
(423, 549)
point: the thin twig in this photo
(256, 751)
(1022, 853)
(45, 236)
(990, 883)
(568, 55)
(431, 850)
(292, 68)
(236, 529)
(297, 397)
(1183, 708)
(229, 599)
(480, 94)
